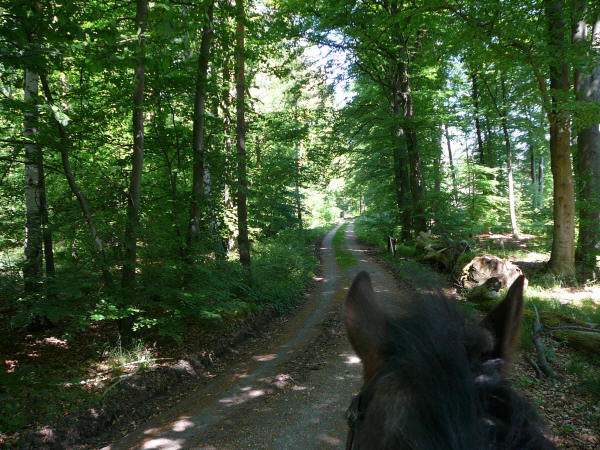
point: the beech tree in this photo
(587, 86)
(240, 130)
(198, 139)
(137, 158)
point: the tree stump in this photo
(483, 267)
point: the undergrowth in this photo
(68, 367)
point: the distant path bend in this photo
(291, 394)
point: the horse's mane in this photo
(443, 389)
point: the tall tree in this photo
(135, 184)
(32, 269)
(198, 132)
(587, 86)
(512, 207)
(562, 259)
(240, 142)
(450, 161)
(476, 111)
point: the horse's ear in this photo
(365, 323)
(504, 321)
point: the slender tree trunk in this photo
(437, 160)
(297, 183)
(475, 98)
(215, 231)
(488, 143)
(242, 189)
(541, 197)
(532, 163)
(230, 214)
(46, 230)
(65, 146)
(562, 259)
(32, 268)
(211, 193)
(451, 162)
(400, 154)
(587, 86)
(135, 185)
(533, 175)
(198, 144)
(507, 145)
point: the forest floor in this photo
(289, 379)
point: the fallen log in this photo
(586, 341)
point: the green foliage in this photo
(282, 268)
(374, 230)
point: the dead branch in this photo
(532, 363)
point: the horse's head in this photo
(435, 380)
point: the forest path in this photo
(288, 393)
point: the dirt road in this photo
(290, 393)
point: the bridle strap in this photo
(359, 404)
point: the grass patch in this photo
(120, 359)
(343, 257)
(587, 369)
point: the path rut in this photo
(291, 395)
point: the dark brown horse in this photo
(434, 379)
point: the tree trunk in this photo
(475, 98)
(451, 162)
(540, 179)
(437, 160)
(587, 86)
(65, 146)
(509, 169)
(229, 212)
(297, 183)
(135, 185)
(46, 231)
(198, 144)
(419, 219)
(32, 268)
(533, 176)
(562, 259)
(400, 154)
(242, 188)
